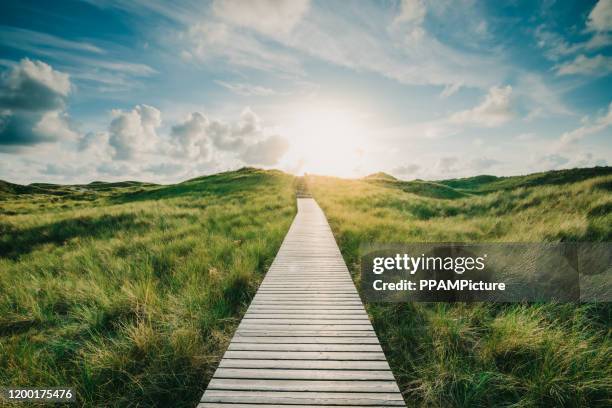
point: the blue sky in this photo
(164, 91)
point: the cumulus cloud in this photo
(600, 124)
(32, 105)
(197, 137)
(599, 65)
(235, 136)
(270, 17)
(190, 137)
(198, 134)
(495, 110)
(266, 152)
(132, 132)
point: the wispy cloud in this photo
(599, 65)
(37, 42)
(345, 39)
(495, 110)
(246, 89)
(600, 124)
(269, 17)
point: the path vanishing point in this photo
(305, 340)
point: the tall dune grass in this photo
(131, 293)
(480, 354)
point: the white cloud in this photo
(34, 41)
(36, 73)
(115, 169)
(526, 136)
(270, 17)
(553, 161)
(234, 136)
(246, 89)
(450, 89)
(66, 171)
(266, 152)
(133, 132)
(495, 110)
(210, 40)
(411, 11)
(556, 161)
(165, 169)
(589, 160)
(197, 138)
(553, 44)
(56, 125)
(539, 98)
(96, 145)
(190, 137)
(599, 65)
(600, 18)
(598, 25)
(33, 98)
(403, 51)
(601, 123)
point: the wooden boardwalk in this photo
(306, 340)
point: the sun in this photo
(326, 140)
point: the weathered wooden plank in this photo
(301, 321)
(304, 397)
(305, 340)
(305, 355)
(305, 374)
(301, 333)
(307, 303)
(302, 385)
(304, 347)
(234, 405)
(321, 367)
(314, 308)
(330, 316)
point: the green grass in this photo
(483, 354)
(130, 292)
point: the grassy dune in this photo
(482, 355)
(130, 292)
